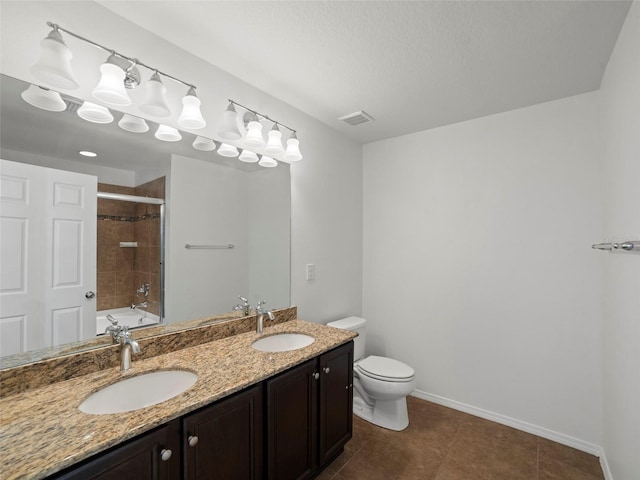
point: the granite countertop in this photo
(42, 431)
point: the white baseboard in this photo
(605, 466)
(554, 436)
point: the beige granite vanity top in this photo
(42, 430)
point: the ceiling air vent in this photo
(357, 118)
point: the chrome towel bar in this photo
(210, 247)
(630, 245)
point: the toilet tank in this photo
(354, 324)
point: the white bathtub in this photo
(132, 318)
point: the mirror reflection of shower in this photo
(130, 255)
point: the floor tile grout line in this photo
(446, 455)
(351, 457)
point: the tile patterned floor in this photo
(444, 444)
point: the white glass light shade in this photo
(191, 117)
(110, 88)
(292, 153)
(54, 64)
(248, 156)
(227, 150)
(204, 144)
(156, 102)
(228, 128)
(267, 162)
(168, 134)
(274, 143)
(44, 99)
(94, 113)
(254, 136)
(133, 124)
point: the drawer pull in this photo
(316, 375)
(326, 369)
(192, 440)
(165, 454)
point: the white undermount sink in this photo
(283, 342)
(138, 392)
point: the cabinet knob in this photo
(165, 454)
(192, 440)
(316, 375)
(326, 369)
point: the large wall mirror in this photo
(215, 227)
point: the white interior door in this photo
(47, 257)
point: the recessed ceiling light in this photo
(86, 153)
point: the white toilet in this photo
(381, 384)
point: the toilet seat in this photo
(385, 369)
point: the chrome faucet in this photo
(144, 290)
(261, 312)
(114, 329)
(244, 306)
(144, 304)
(127, 346)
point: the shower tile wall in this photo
(121, 270)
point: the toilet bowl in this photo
(381, 384)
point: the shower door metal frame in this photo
(150, 201)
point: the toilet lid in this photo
(383, 367)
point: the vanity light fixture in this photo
(292, 154)
(274, 143)
(204, 144)
(110, 88)
(228, 128)
(156, 101)
(117, 73)
(133, 124)
(54, 65)
(94, 113)
(248, 156)
(44, 98)
(120, 72)
(254, 139)
(191, 117)
(227, 150)
(168, 134)
(267, 162)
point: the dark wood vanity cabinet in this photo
(154, 456)
(309, 415)
(300, 419)
(225, 441)
(335, 401)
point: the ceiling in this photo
(411, 65)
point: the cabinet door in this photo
(141, 458)
(225, 441)
(336, 401)
(292, 423)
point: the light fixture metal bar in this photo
(280, 124)
(134, 61)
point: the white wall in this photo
(478, 269)
(621, 324)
